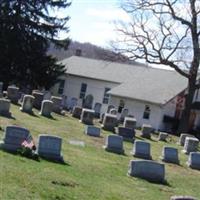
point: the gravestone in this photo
(170, 155)
(57, 104)
(102, 117)
(109, 108)
(27, 103)
(182, 198)
(87, 116)
(191, 145)
(194, 160)
(109, 122)
(72, 102)
(46, 108)
(130, 122)
(38, 99)
(5, 107)
(147, 169)
(92, 131)
(97, 109)
(183, 137)
(124, 114)
(88, 101)
(141, 149)
(76, 112)
(14, 137)
(114, 143)
(162, 136)
(113, 111)
(13, 94)
(146, 131)
(47, 95)
(126, 133)
(50, 147)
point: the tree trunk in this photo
(185, 117)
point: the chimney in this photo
(78, 52)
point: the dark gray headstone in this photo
(124, 114)
(183, 137)
(97, 109)
(92, 131)
(162, 136)
(72, 102)
(50, 147)
(114, 143)
(38, 99)
(141, 149)
(109, 122)
(5, 107)
(194, 160)
(130, 122)
(88, 101)
(57, 104)
(87, 116)
(146, 169)
(13, 94)
(126, 133)
(76, 112)
(14, 137)
(191, 145)
(170, 155)
(146, 131)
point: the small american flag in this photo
(29, 143)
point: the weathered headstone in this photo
(92, 131)
(46, 108)
(87, 116)
(182, 198)
(113, 111)
(27, 103)
(38, 99)
(126, 133)
(109, 122)
(146, 169)
(162, 136)
(97, 109)
(5, 107)
(124, 114)
(109, 108)
(183, 137)
(170, 154)
(57, 104)
(12, 94)
(50, 147)
(146, 131)
(114, 143)
(88, 101)
(194, 160)
(14, 137)
(71, 103)
(141, 149)
(76, 112)
(191, 145)
(130, 122)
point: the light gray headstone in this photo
(182, 198)
(46, 108)
(87, 116)
(141, 149)
(162, 136)
(146, 131)
(130, 122)
(76, 112)
(57, 104)
(97, 109)
(170, 154)
(27, 103)
(191, 145)
(109, 122)
(194, 160)
(146, 169)
(13, 94)
(50, 147)
(113, 111)
(114, 143)
(109, 108)
(5, 107)
(14, 136)
(38, 99)
(183, 137)
(92, 131)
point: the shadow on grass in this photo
(31, 114)
(9, 116)
(57, 161)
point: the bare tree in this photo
(165, 32)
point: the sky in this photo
(93, 20)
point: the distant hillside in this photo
(90, 51)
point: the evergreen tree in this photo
(27, 27)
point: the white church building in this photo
(153, 96)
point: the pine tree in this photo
(27, 27)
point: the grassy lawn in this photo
(90, 173)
